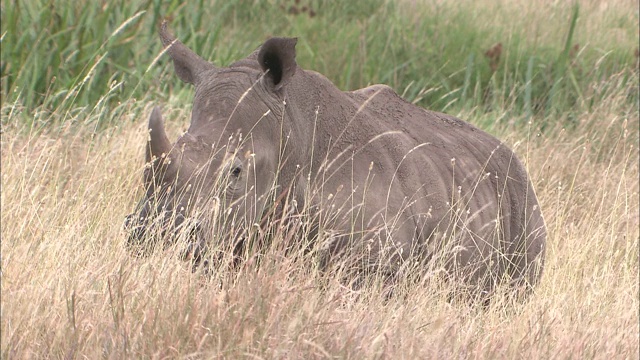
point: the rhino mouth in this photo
(189, 237)
(145, 235)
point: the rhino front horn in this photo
(158, 142)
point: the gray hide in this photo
(376, 174)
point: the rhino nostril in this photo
(196, 230)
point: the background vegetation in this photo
(537, 57)
(557, 80)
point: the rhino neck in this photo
(318, 112)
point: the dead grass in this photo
(69, 289)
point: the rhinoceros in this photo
(374, 174)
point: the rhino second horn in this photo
(158, 142)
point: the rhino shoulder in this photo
(373, 92)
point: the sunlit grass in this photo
(69, 287)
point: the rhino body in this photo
(375, 173)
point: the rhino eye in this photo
(236, 171)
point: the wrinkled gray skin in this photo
(378, 174)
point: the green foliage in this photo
(93, 57)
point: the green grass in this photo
(96, 56)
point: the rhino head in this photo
(213, 182)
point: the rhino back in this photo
(436, 177)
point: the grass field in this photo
(79, 82)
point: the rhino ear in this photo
(277, 57)
(189, 66)
(158, 143)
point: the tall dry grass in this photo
(69, 289)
